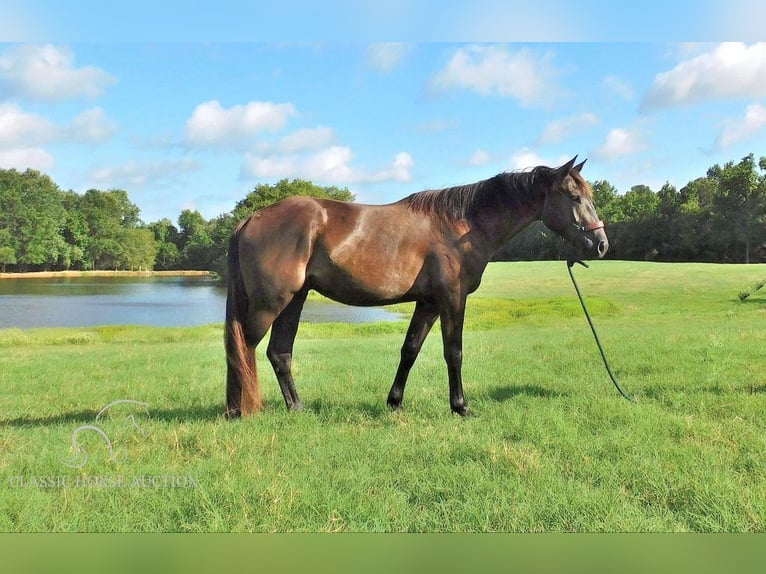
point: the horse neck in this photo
(498, 223)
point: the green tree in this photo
(32, 217)
(9, 198)
(697, 195)
(220, 231)
(607, 202)
(669, 201)
(7, 249)
(740, 204)
(265, 194)
(640, 202)
(108, 214)
(76, 233)
(194, 240)
(166, 237)
(139, 250)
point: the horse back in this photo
(353, 253)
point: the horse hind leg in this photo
(280, 349)
(243, 396)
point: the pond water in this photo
(156, 301)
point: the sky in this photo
(194, 116)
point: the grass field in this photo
(553, 447)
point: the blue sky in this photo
(196, 122)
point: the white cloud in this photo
(384, 57)
(26, 158)
(20, 128)
(23, 133)
(269, 167)
(527, 158)
(498, 71)
(91, 126)
(332, 165)
(400, 169)
(730, 70)
(213, 125)
(742, 129)
(619, 87)
(48, 73)
(620, 142)
(306, 139)
(479, 157)
(139, 174)
(557, 130)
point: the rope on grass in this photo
(570, 264)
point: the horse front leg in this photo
(452, 318)
(423, 318)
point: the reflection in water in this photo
(156, 301)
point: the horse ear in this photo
(563, 171)
(578, 167)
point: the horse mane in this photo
(505, 190)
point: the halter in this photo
(584, 228)
(589, 227)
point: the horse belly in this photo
(362, 281)
(369, 268)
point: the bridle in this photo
(589, 227)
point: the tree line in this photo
(720, 217)
(43, 228)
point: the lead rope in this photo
(570, 264)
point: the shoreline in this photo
(103, 273)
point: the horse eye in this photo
(576, 198)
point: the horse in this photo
(431, 248)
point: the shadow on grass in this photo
(509, 392)
(180, 414)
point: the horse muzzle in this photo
(592, 240)
(602, 247)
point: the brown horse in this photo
(431, 247)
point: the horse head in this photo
(569, 210)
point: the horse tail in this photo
(243, 395)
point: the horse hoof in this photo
(462, 410)
(232, 414)
(394, 405)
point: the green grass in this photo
(552, 447)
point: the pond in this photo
(156, 301)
